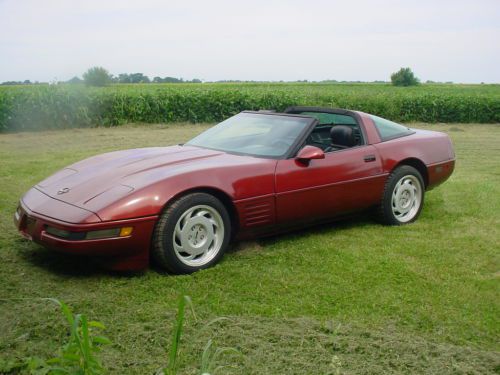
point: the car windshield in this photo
(262, 135)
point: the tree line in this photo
(99, 76)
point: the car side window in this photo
(348, 133)
(388, 129)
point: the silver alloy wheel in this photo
(198, 235)
(406, 198)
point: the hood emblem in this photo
(63, 191)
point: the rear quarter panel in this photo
(434, 149)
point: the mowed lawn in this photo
(352, 296)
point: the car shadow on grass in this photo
(334, 225)
(75, 266)
(63, 264)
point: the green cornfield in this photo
(67, 106)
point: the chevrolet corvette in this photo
(255, 174)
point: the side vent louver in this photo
(258, 213)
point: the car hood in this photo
(117, 174)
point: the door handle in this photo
(369, 158)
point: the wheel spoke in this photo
(213, 223)
(202, 213)
(178, 230)
(210, 244)
(178, 249)
(190, 257)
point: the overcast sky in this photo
(440, 40)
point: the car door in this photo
(344, 181)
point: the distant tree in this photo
(74, 80)
(13, 83)
(168, 80)
(138, 78)
(172, 80)
(123, 78)
(404, 77)
(97, 76)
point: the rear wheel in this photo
(403, 196)
(192, 233)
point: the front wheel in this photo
(191, 234)
(403, 196)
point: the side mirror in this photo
(309, 153)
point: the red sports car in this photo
(254, 174)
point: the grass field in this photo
(352, 296)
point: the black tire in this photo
(388, 210)
(163, 247)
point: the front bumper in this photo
(129, 252)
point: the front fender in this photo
(238, 181)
